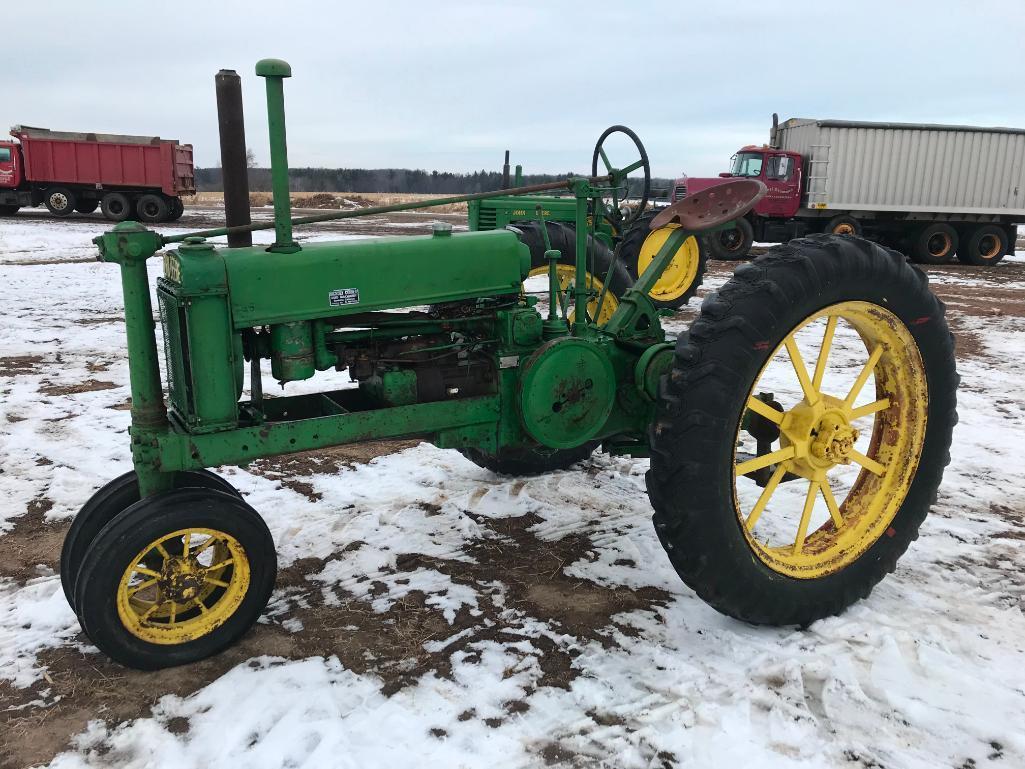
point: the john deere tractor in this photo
(797, 431)
(618, 229)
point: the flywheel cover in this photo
(567, 390)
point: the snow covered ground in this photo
(431, 613)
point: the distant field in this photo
(327, 200)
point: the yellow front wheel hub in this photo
(183, 586)
(827, 430)
(682, 271)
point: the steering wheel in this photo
(620, 177)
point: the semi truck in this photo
(141, 177)
(930, 191)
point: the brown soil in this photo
(88, 386)
(20, 364)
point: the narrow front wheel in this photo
(175, 578)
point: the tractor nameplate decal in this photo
(172, 267)
(343, 296)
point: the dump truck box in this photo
(908, 166)
(106, 160)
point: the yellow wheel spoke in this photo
(870, 408)
(147, 572)
(202, 607)
(870, 364)
(141, 586)
(764, 461)
(867, 462)
(767, 492)
(185, 543)
(809, 503)
(144, 617)
(163, 551)
(834, 510)
(220, 565)
(827, 342)
(218, 582)
(762, 408)
(174, 613)
(204, 546)
(810, 393)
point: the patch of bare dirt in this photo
(19, 364)
(88, 386)
(31, 542)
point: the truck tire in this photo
(701, 501)
(681, 279)
(87, 206)
(59, 201)
(934, 244)
(9, 210)
(984, 246)
(843, 225)
(151, 209)
(731, 245)
(116, 206)
(175, 209)
(563, 239)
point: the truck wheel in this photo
(175, 209)
(843, 225)
(59, 201)
(528, 461)
(87, 206)
(175, 578)
(151, 209)
(563, 238)
(9, 210)
(790, 534)
(116, 206)
(681, 278)
(984, 246)
(935, 244)
(103, 506)
(730, 245)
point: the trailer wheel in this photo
(984, 246)
(935, 244)
(116, 206)
(530, 461)
(790, 534)
(151, 209)
(59, 201)
(175, 209)
(103, 506)
(563, 238)
(731, 245)
(87, 206)
(9, 210)
(681, 279)
(843, 225)
(175, 578)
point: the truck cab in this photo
(779, 170)
(10, 167)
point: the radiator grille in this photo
(486, 218)
(176, 353)
(679, 192)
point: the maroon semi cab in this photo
(931, 191)
(127, 177)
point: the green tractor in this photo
(621, 235)
(797, 431)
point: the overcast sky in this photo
(450, 85)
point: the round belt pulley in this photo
(567, 390)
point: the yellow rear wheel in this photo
(802, 433)
(681, 279)
(567, 275)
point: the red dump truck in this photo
(931, 191)
(127, 177)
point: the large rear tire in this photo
(701, 493)
(681, 279)
(599, 259)
(116, 206)
(152, 209)
(731, 245)
(984, 246)
(530, 461)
